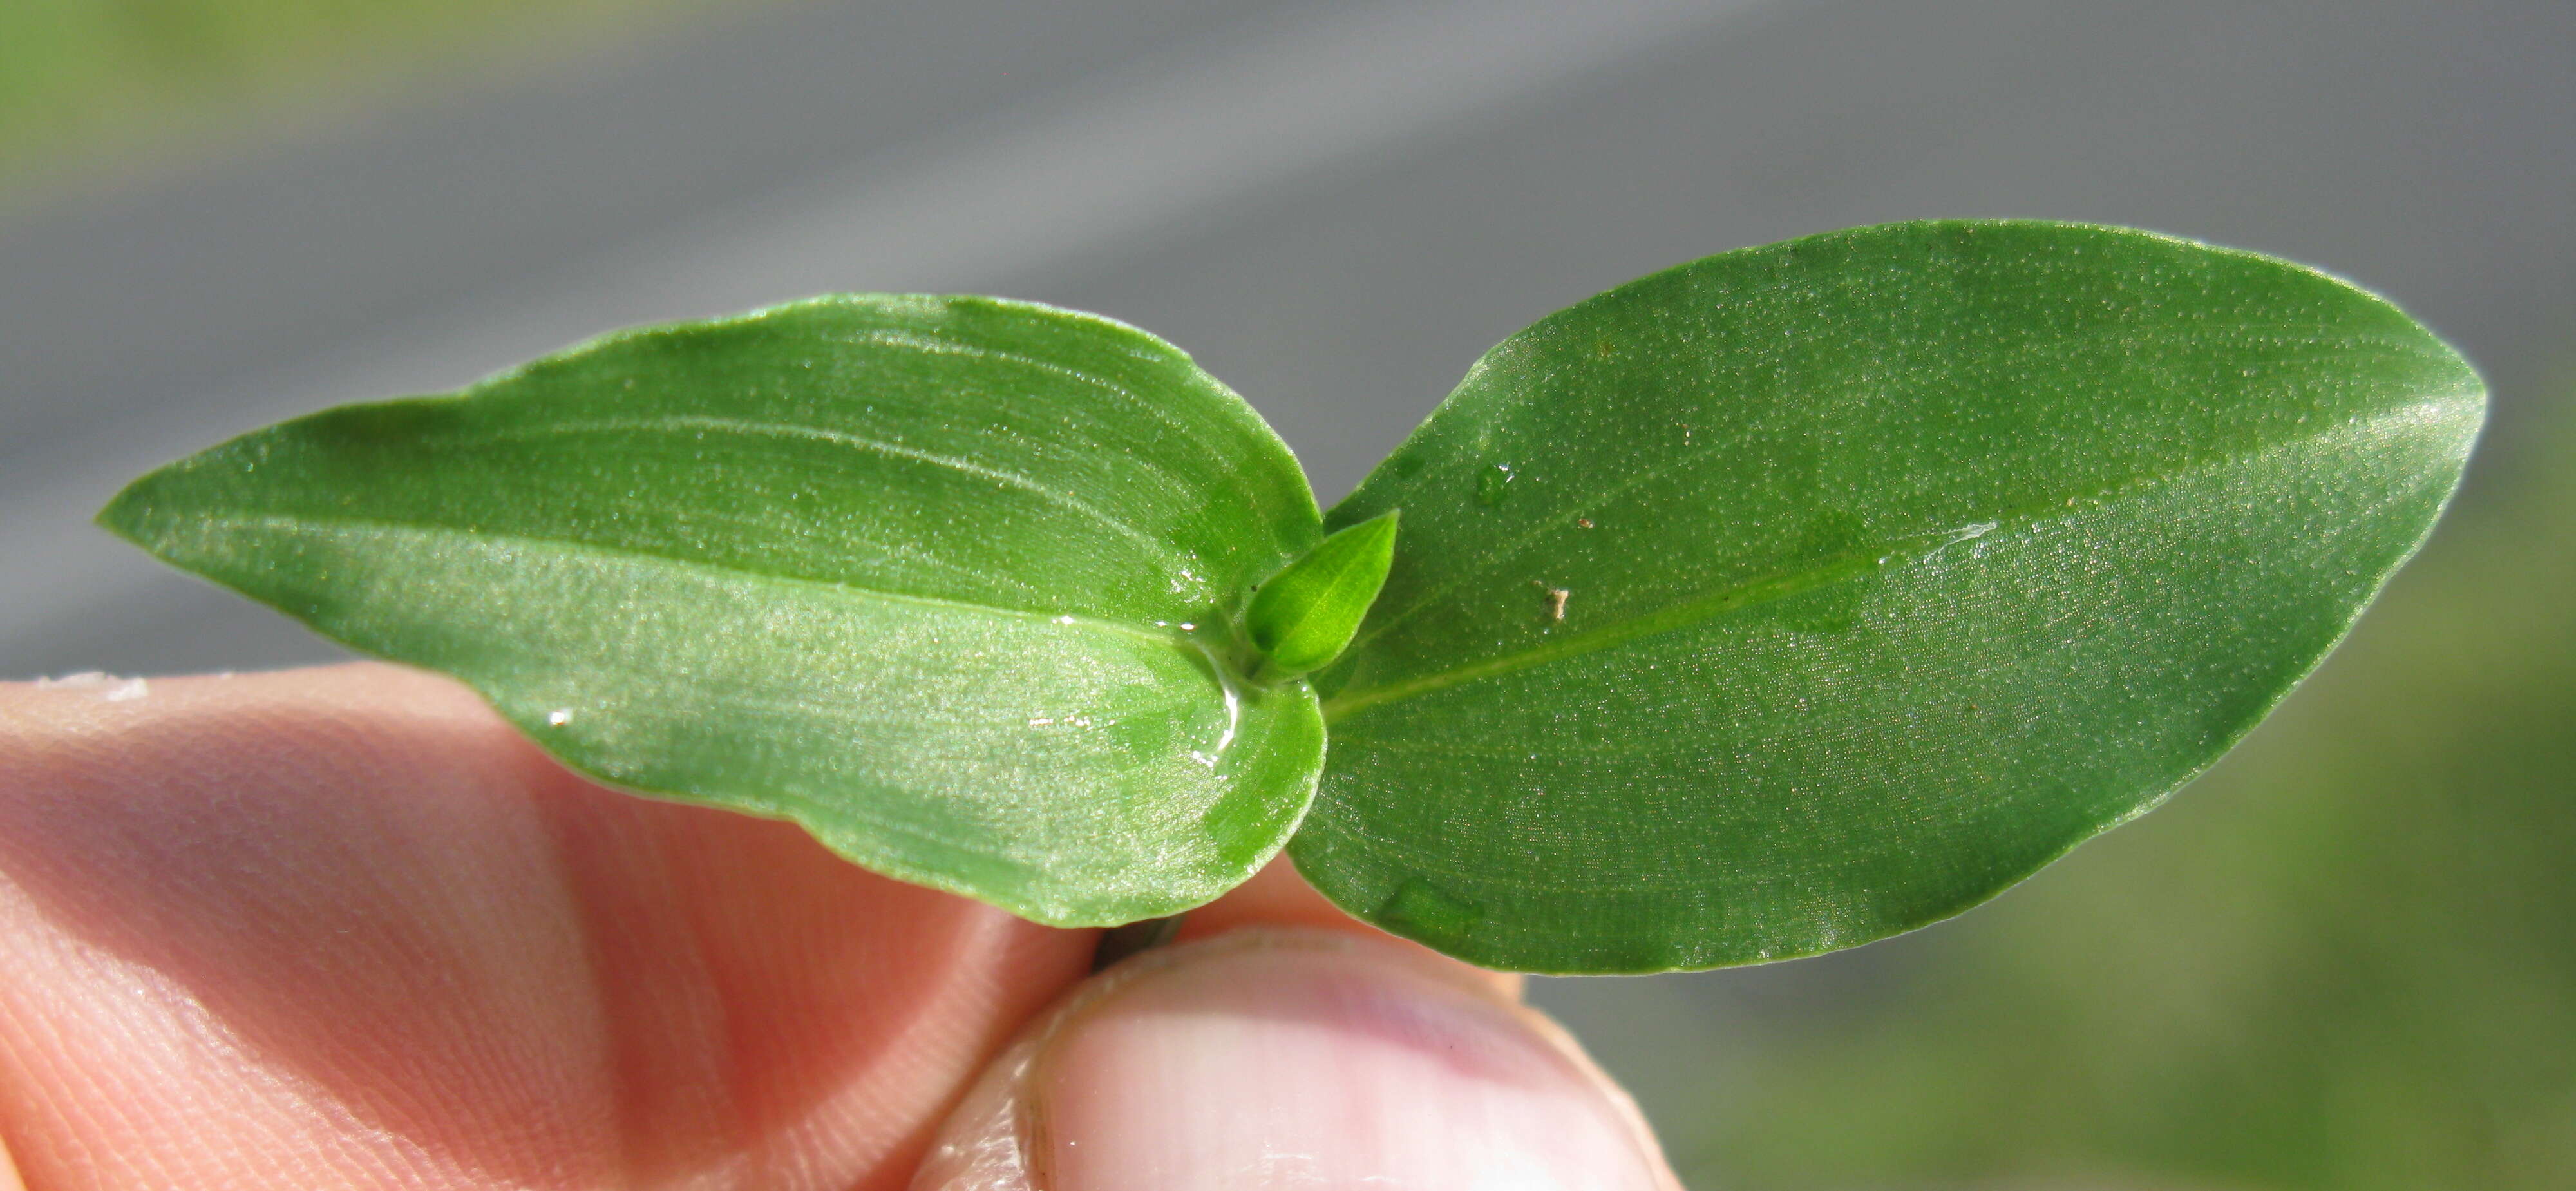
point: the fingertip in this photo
(1282, 1056)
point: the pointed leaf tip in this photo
(1307, 613)
(1900, 560)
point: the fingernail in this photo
(1293, 1059)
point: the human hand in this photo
(345, 928)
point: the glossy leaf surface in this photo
(926, 575)
(1305, 615)
(1806, 594)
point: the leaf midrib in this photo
(1846, 565)
(301, 522)
(1646, 476)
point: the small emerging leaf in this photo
(918, 573)
(1304, 616)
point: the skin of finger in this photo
(344, 927)
(1003, 1135)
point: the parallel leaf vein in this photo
(1154, 545)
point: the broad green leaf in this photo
(1806, 594)
(1305, 615)
(929, 576)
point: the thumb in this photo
(1293, 1058)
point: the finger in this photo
(1276, 1058)
(344, 927)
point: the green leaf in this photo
(945, 580)
(1810, 593)
(1304, 616)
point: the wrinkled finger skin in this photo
(343, 928)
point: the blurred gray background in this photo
(1336, 206)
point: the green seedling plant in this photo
(1773, 603)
